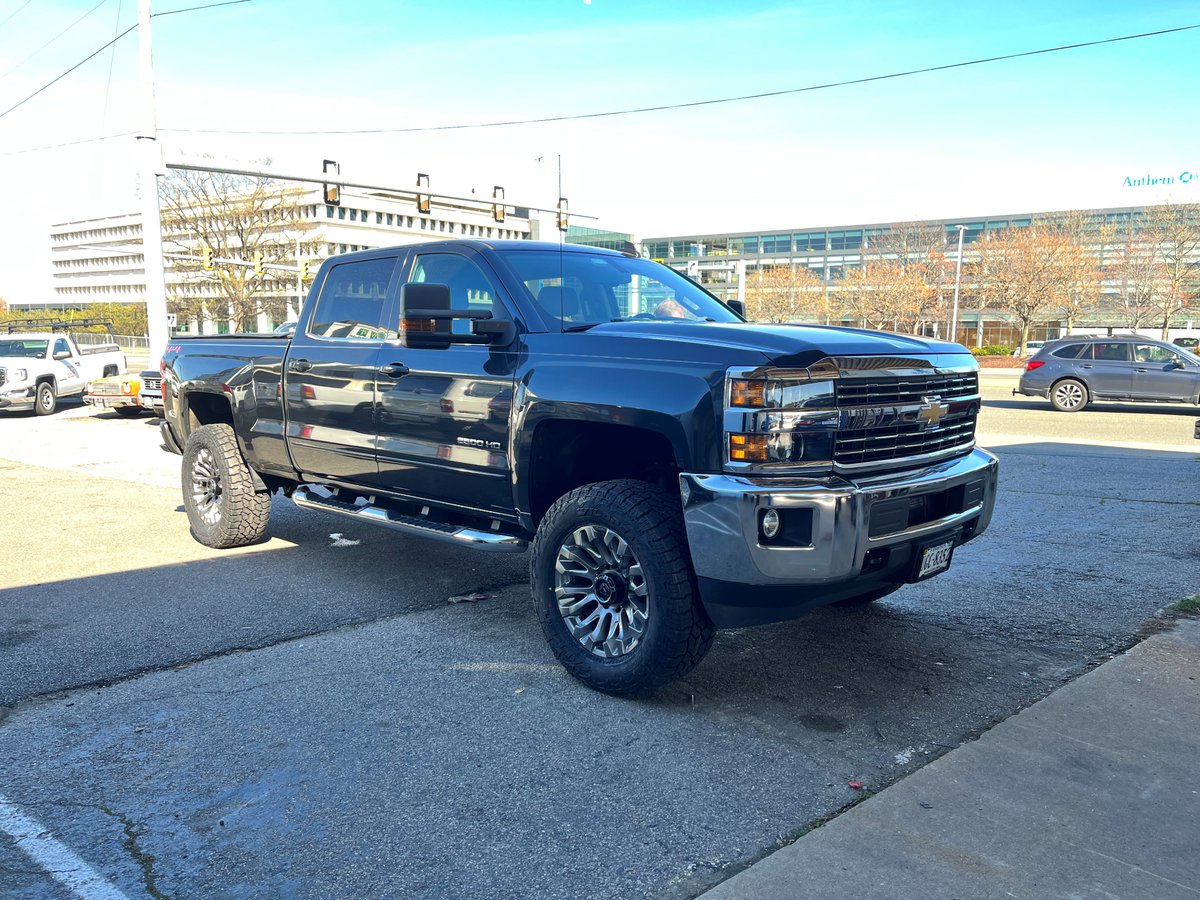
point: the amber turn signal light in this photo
(748, 448)
(746, 393)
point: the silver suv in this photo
(1073, 371)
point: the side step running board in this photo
(496, 541)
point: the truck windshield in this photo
(573, 290)
(31, 349)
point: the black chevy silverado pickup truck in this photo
(675, 468)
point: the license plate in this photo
(935, 559)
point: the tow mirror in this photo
(427, 320)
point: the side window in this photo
(1114, 352)
(352, 301)
(470, 287)
(61, 346)
(1153, 353)
(1071, 351)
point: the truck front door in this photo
(444, 414)
(329, 372)
(68, 368)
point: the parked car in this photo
(1031, 347)
(1074, 371)
(39, 367)
(1188, 343)
(120, 393)
(673, 469)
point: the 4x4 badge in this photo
(932, 412)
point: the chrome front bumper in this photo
(17, 398)
(722, 515)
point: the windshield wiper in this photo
(582, 326)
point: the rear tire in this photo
(222, 505)
(45, 399)
(1069, 395)
(614, 588)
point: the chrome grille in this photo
(105, 388)
(151, 384)
(905, 388)
(854, 447)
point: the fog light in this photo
(771, 523)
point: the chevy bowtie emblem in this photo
(932, 412)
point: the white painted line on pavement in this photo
(55, 857)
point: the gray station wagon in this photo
(1073, 371)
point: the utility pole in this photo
(957, 282)
(149, 164)
(299, 281)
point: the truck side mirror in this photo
(63, 354)
(738, 306)
(426, 317)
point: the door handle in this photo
(394, 370)
(1085, 367)
(299, 365)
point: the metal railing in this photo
(125, 341)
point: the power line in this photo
(693, 103)
(109, 44)
(106, 137)
(171, 12)
(68, 72)
(15, 11)
(53, 39)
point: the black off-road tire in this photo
(1069, 395)
(222, 505)
(128, 412)
(45, 399)
(678, 632)
(868, 597)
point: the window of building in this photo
(379, 218)
(341, 212)
(845, 240)
(353, 215)
(389, 218)
(352, 301)
(777, 243)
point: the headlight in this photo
(777, 419)
(18, 374)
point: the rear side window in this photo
(1071, 351)
(353, 300)
(1111, 352)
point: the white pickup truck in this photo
(39, 367)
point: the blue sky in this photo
(1039, 133)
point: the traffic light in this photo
(259, 268)
(206, 259)
(561, 218)
(423, 200)
(304, 269)
(498, 208)
(333, 192)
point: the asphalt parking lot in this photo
(312, 718)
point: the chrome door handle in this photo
(394, 370)
(299, 365)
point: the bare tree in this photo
(786, 294)
(1023, 271)
(236, 218)
(1084, 242)
(889, 295)
(1172, 232)
(1133, 270)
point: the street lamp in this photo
(957, 283)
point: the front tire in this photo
(222, 505)
(1069, 395)
(46, 399)
(614, 588)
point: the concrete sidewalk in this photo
(1093, 792)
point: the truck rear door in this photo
(330, 369)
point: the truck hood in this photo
(791, 346)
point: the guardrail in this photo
(125, 341)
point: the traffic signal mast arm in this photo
(250, 264)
